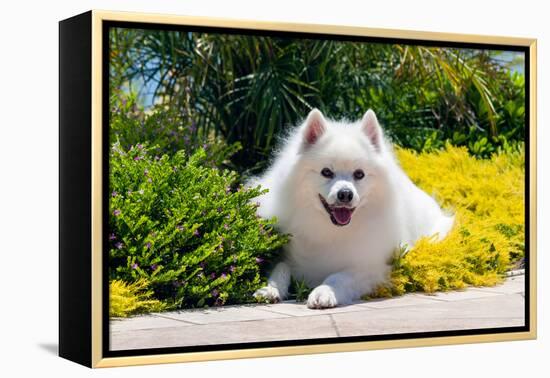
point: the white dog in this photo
(338, 190)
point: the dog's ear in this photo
(315, 127)
(372, 128)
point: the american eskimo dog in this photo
(338, 190)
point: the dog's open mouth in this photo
(339, 215)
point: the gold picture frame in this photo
(90, 27)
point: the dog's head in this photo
(340, 164)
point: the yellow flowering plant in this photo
(487, 197)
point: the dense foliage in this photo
(127, 299)
(193, 114)
(167, 131)
(185, 229)
(249, 88)
(487, 197)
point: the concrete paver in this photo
(226, 333)
(473, 308)
(221, 314)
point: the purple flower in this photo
(219, 209)
(157, 158)
(114, 194)
(223, 275)
(259, 260)
(205, 146)
(193, 127)
(136, 158)
(226, 226)
(232, 269)
(202, 264)
(134, 266)
(139, 146)
(116, 212)
(212, 275)
(112, 237)
(154, 267)
(119, 245)
(179, 227)
(215, 293)
(196, 233)
(148, 245)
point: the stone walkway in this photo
(488, 307)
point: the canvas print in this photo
(270, 188)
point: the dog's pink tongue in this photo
(342, 215)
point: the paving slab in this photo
(403, 301)
(474, 308)
(293, 308)
(221, 314)
(226, 333)
(460, 295)
(489, 312)
(372, 327)
(145, 322)
(512, 285)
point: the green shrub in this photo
(166, 130)
(251, 88)
(181, 225)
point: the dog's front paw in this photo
(268, 293)
(322, 297)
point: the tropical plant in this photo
(251, 88)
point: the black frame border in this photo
(75, 197)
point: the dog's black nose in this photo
(345, 195)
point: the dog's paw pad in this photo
(268, 293)
(322, 297)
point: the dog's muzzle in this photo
(339, 215)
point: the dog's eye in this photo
(358, 174)
(325, 172)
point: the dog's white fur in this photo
(342, 262)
